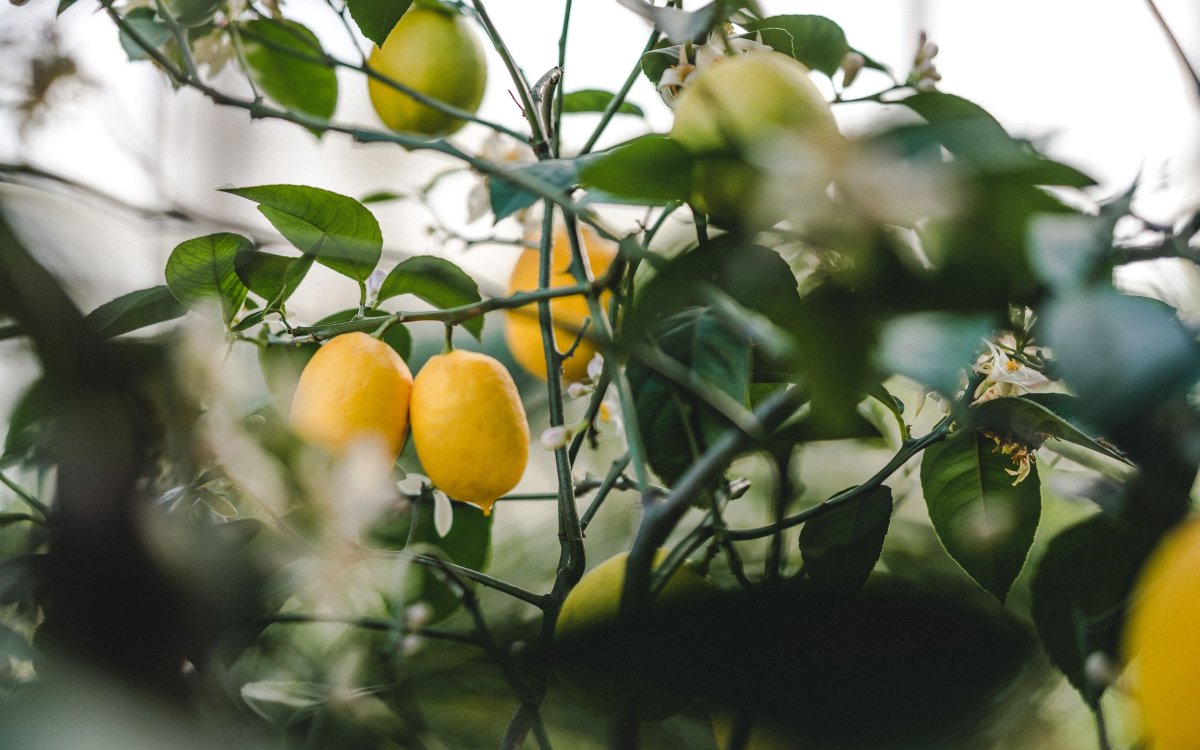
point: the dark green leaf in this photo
(507, 197)
(135, 310)
(202, 269)
(673, 421)
(1121, 355)
(983, 520)
(31, 423)
(813, 40)
(1080, 592)
(377, 18)
(808, 429)
(596, 100)
(840, 547)
(971, 133)
(380, 196)
(468, 544)
(21, 576)
(337, 229)
(1069, 252)
(1027, 421)
(193, 12)
(932, 348)
(834, 335)
(63, 5)
(272, 277)
(653, 168)
(146, 24)
(437, 281)
(656, 61)
(281, 55)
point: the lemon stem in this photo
(448, 346)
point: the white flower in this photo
(443, 513)
(719, 46)
(554, 438)
(1005, 376)
(595, 368)
(578, 390)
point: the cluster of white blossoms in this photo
(719, 46)
(1006, 376)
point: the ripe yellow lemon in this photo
(469, 427)
(1161, 638)
(437, 54)
(522, 330)
(355, 386)
(597, 663)
(730, 112)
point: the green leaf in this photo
(1080, 592)
(437, 281)
(971, 133)
(656, 61)
(202, 268)
(653, 169)
(813, 40)
(596, 100)
(31, 423)
(834, 335)
(338, 230)
(155, 33)
(272, 277)
(507, 197)
(63, 5)
(279, 54)
(1069, 252)
(135, 310)
(1121, 355)
(673, 421)
(983, 520)
(1027, 421)
(377, 18)
(468, 543)
(193, 12)
(840, 547)
(932, 348)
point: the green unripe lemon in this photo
(437, 54)
(730, 112)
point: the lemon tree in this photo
(785, 322)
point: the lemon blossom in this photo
(719, 45)
(1005, 376)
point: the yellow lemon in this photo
(437, 54)
(469, 427)
(730, 112)
(1161, 638)
(355, 386)
(597, 662)
(522, 330)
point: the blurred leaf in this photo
(808, 429)
(21, 576)
(676, 24)
(468, 544)
(834, 335)
(595, 100)
(337, 229)
(437, 281)
(1121, 355)
(135, 310)
(193, 12)
(377, 18)
(507, 197)
(671, 418)
(283, 702)
(1027, 421)
(13, 645)
(272, 277)
(816, 41)
(652, 168)
(1069, 252)
(932, 348)
(1080, 592)
(202, 268)
(30, 424)
(971, 133)
(840, 547)
(280, 56)
(984, 521)
(147, 25)
(63, 5)
(380, 196)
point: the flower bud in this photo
(555, 437)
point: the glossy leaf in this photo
(508, 197)
(1026, 420)
(202, 269)
(840, 547)
(135, 310)
(377, 18)
(983, 520)
(272, 277)
(652, 169)
(815, 41)
(279, 54)
(149, 27)
(437, 281)
(673, 420)
(338, 230)
(1081, 590)
(596, 100)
